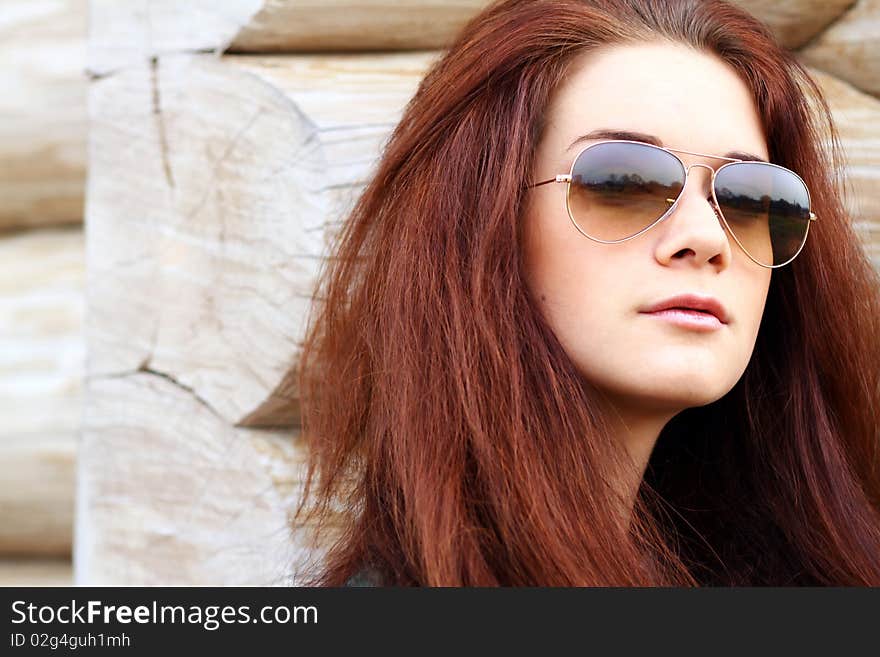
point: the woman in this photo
(491, 389)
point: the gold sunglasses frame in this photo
(567, 178)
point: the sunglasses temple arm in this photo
(562, 177)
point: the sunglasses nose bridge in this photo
(711, 181)
(699, 164)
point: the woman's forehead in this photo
(687, 99)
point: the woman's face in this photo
(592, 293)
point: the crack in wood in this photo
(145, 369)
(160, 119)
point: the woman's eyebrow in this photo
(603, 133)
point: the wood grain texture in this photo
(170, 494)
(43, 108)
(130, 33)
(36, 572)
(354, 25)
(42, 364)
(857, 116)
(850, 48)
(795, 22)
(370, 25)
(214, 189)
(37, 494)
(125, 34)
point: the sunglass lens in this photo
(766, 207)
(619, 189)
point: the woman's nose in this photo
(691, 227)
(705, 185)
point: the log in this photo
(353, 25)
(36, 572)
(363, 25)
(795, 22)
(214, 188)
(36, 494)
(171, 495)
(42, 364)
(131, 33)
(858, 120)
(850, 48)
(43, 105)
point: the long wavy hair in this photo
(451, 440)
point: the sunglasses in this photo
(618, 189)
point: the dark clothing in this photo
(366, 576)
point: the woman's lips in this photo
(694, 320)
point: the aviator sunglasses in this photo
(618, 189)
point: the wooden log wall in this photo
(43, 108)
(42, 358)
(43, 136)
(226, 141)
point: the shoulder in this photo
(366, 576)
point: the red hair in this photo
(444, 417)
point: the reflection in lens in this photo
(766, 207)
(619, 189)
